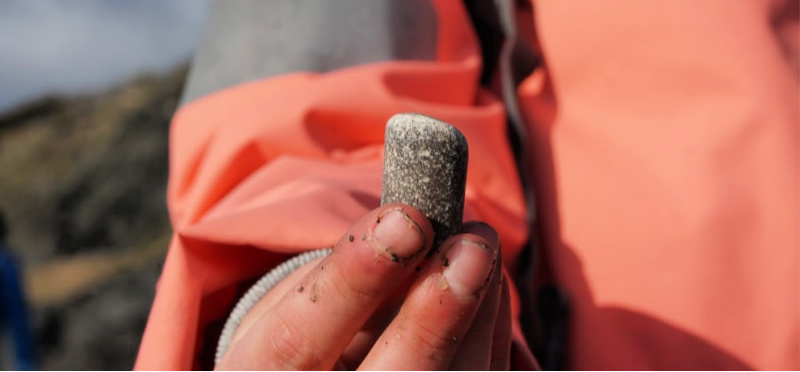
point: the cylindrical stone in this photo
(425, 166)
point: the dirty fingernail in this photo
(397, 236)
(467, 266)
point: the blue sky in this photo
(81, 46)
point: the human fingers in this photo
(360, 344)
(271, 298)
(363, 341)
(475, 352)
(310, 326)
(439, 308)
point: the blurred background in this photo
(87, 89)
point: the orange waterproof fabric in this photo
(665, 137)
(665, 144)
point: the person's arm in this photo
(267, 169)
(665, 141)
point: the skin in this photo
(376, 303)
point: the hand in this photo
(376, 303)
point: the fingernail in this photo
(397, 236)
(467, 266)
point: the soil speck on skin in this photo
(352, 238)
(442, 283)
(300, 289)
(446, 262)
(379, 219)
(363, 238)
(313, 297)
(395, 258)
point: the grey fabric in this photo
(246, 40)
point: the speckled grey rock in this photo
(425, 166)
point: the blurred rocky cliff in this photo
(83, 187)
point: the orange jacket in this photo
(664, 153)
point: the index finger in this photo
(310, 326)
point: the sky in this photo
(82, 46)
